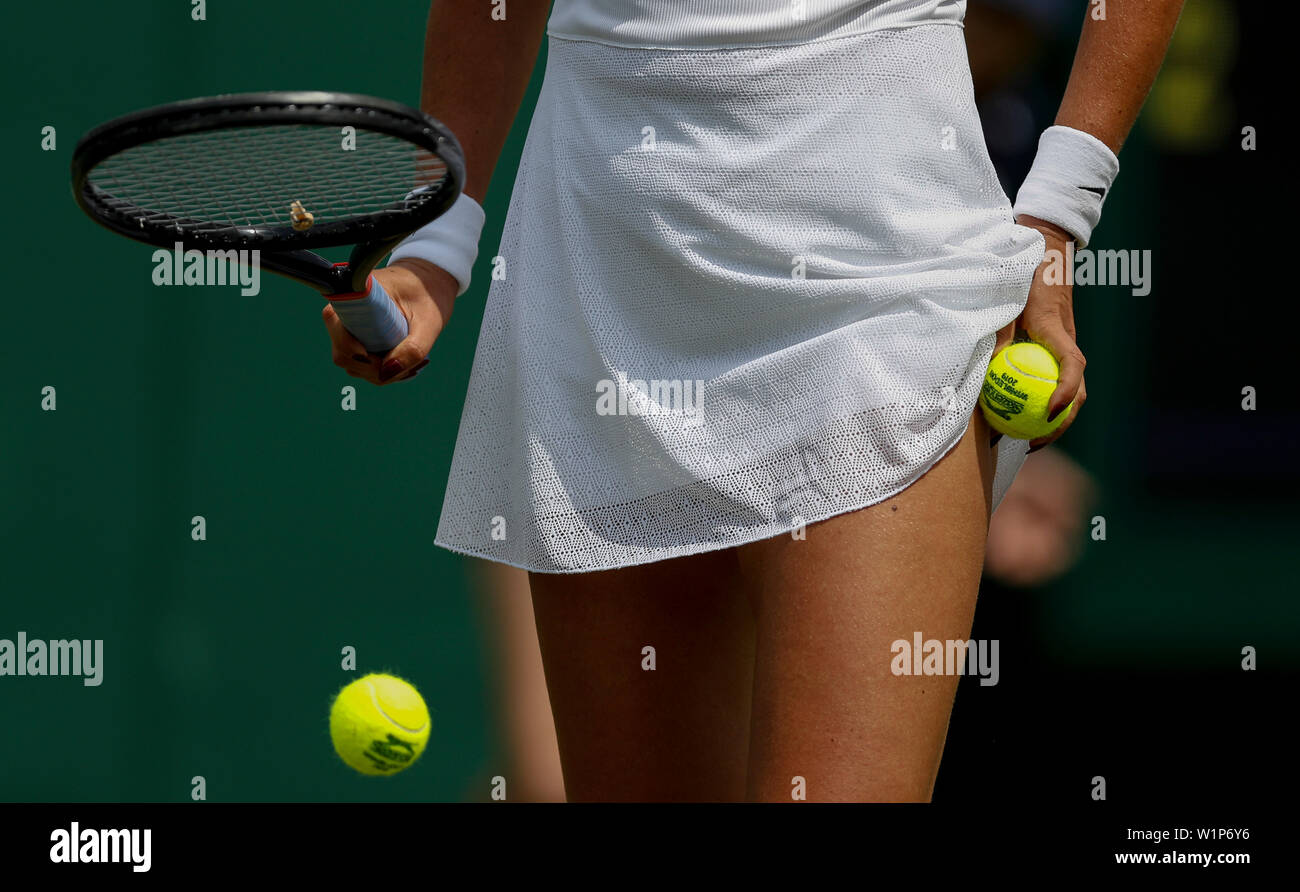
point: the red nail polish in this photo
(389, 369)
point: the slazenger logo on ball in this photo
(1005, 402)
(1017, 389)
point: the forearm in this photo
(1116, 63)
(476, 70)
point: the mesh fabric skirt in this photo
(741, 290)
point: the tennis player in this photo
(723, 407)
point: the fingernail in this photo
(390, 368)
(415, 371)
(360, 357)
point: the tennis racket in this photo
(273, 172)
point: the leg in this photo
(525, 715)
(680, 732)
(826, 706)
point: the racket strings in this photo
(266, 177)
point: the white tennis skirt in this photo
(738, 291)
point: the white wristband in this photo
(449, 242)
(1071, 176)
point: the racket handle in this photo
(372, 317)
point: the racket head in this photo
(268, 171)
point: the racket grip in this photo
(372, 317)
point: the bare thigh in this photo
(677, 732)
(826, 707)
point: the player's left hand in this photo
(1048, 319)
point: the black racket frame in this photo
(285, 250)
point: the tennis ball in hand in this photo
(1014, 399)
(379, 724)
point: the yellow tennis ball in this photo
(379, 724)
(1016, 388)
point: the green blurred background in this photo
(221, 656)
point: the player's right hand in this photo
(425, 294)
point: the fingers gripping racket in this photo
(278, 173)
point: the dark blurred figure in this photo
(1159, 721)
(1018, 64)
(1035, 536)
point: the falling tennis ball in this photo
(1017, 386)
(379, 724)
